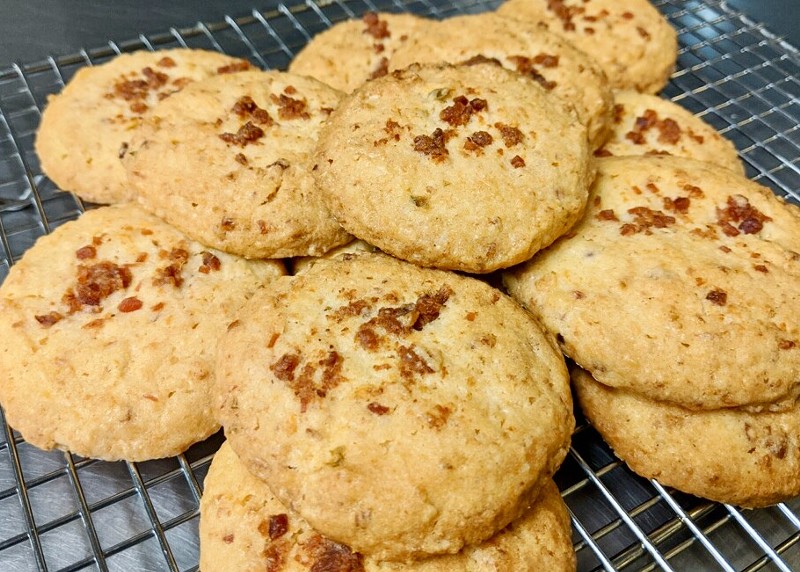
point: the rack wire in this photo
(62, 512)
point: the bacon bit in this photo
(669, 130)
(429, 306)
(588, 30)
(603, 153)
(378, 48)
(411, 363)
(524, 65)
(278, 526)
(678, 204)
(157, 307)
(760, 268)
(275, 556)
(627, 15)
(241, 158)
(461, 111)
(377, 28)
(619, 111)
(329, 556)
(377, 408)
(438, 416)
(546, 60)
(471, 316)
(477, 141)
(607, 214)
(130, 304)
(227, 539)
(480, 59)
(694, 191)
(307, 389)
(285, 366)
(643, 33)
(636, 190)
(96, 282)
(241, 65)
(166, 62)
(367, 338)
(131, 90)
(210, 262)
(86, 252)
(381, 69)
(511, 135)
(171, 274)
(699, 139)
(645, 219)
(139, 107)
(517, 162)
(247, 133)
(289, 107)
(227, 224)
(433, 145)
(353, 308)
(787, 344)
(739, 210)
(47, 320)
(717, 297)
(155, 79)
(246, 107)
(565, 13)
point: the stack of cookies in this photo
(384, 412)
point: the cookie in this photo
(300, 265)
(726, 455)
(469, 168)
(365, 381)
(227, 162)
(525, 47)
(87, 127)
(649, 125)
(354, 51)
(631, 41)
(244, 527)
(109, 335)
(678, 284)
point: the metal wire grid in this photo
(62, 512)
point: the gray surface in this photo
(66, 513)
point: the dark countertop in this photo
(33, 29)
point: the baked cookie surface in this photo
(631, 40)
(87, 127)
(649, 125)
(678, 284)
(525, 47)
(109, 335)
(354, 51)
(227, 162)
(469, 168)
(368, 380)
(244, 527)
(727, 455)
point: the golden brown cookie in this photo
(469, 168)
(354, 51)
(243, 527)
(631, 41)
(227, 162)
(109, 332)
(680, 284)
(368, 380)
(649, 125)
(87, 127)
(525, 47)
(727, 455)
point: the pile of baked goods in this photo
(388, 406)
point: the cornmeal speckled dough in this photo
(631, 40)
(525, 47)
(109, 332)
(469, 168)
(85, 129)
(227, 162)
(354, 51)
(365, 381)
(243, 527)
(726, 455)
(651, 292)
(649, 125)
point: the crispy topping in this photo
(525, 66)
(433, 145)
(643, 33)
(166, 62)
(130, 304)
(477, 141)
(668, 129)
(607, 214)
(241, 158)
(329, 556)
(429, 306)
(739, 216)
(278, 525)
(411, 363)
(461, 111)
(86, 252)
(517, 162)
(787, 344)
(289, 107)
(171, 274)
(678, 204)
(239, 66)
(97, 282)
(381, 68)
(155, 79)
(47, 320)
(619, 111)
(717, 297)
(285, 366)
(210, 263)
(377, 408)
(645, 219)
(511, 135)
(438, 416)
(565, 13)
(377, 28)
(248, 133)
(353, 308)
(245, 107)
(760, 268)
(480, 59)
(275, 556)
(603, 152)
(227, 224)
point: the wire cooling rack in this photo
(62, 512)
